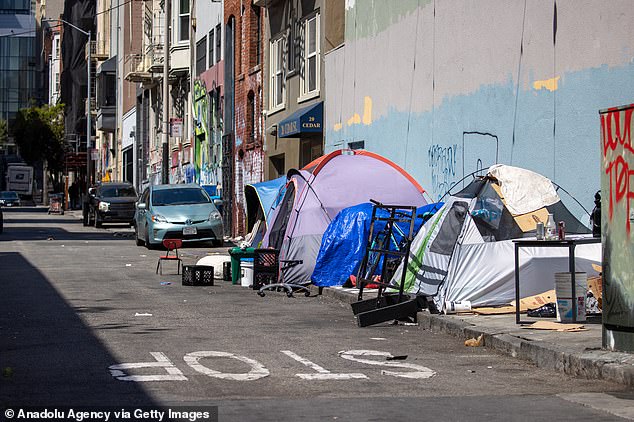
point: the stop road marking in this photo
(257, 370)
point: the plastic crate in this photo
(198, 275)
(265, 267)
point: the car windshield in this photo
(118, 192)
(179, 196)
(8, 195)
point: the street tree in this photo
(4, 133)
(39, 136)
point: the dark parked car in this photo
(112, 202)
(1, 220)
(9, 199)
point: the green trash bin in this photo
(238, 254)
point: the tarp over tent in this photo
(344, 242)
(317, 193)
(465, 252)
(261, 199)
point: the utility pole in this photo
(166, 95)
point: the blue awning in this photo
(305, 120)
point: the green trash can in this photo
(238, 254)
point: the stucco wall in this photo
(415, 79)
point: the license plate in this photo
(189, 230)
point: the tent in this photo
(344, 242)
(465, 252)
(317, 193)
(261, 199)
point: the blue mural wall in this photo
(446, 88)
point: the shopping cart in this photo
(56, 204)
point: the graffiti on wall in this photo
(201, 133)
(479, 151)
(443, 165)
(618, 153)
(208, 135)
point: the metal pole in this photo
(166, 93)
(88, 121)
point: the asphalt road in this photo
(85, 321)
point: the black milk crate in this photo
(265, 267)
(198, 275)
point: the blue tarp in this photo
(344, 242)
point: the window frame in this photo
(201, 67)
(182, 16)
(277, 73)
(211, 45)
(218, 43)
(304, 76)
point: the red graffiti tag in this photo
(617, 139)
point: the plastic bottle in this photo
(551, 228)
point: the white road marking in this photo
(257, 369)
(322, 374)
(420, 372)
(377, 338)
(162, 361)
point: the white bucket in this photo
(246, 269)
(563, 291)
(457, 306)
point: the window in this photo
(183, 20)
(277, 91)
(57, 82)
(251, 116)
(218, 39)
(309, 80)
(56, 48)
(201, 56)
(257, 23)
(212, 44)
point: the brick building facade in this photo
(243, 136)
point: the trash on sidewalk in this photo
(529, 302)
(555, 326)
(475, 342)
(548, 310)
(494, 310)
(165, 283)
(532, 302)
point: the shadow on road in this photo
(49, 357)
(28, 224)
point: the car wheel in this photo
(138, 241)
(84, 218)
(217, 243)
(98, 222)
(91, 220)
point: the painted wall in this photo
(617, 213)
(444, 88)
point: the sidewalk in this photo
(577, 354)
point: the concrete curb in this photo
(591, 364)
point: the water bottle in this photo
(551, 228)
(539, 231)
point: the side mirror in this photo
(140, 205)
(218, 203)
